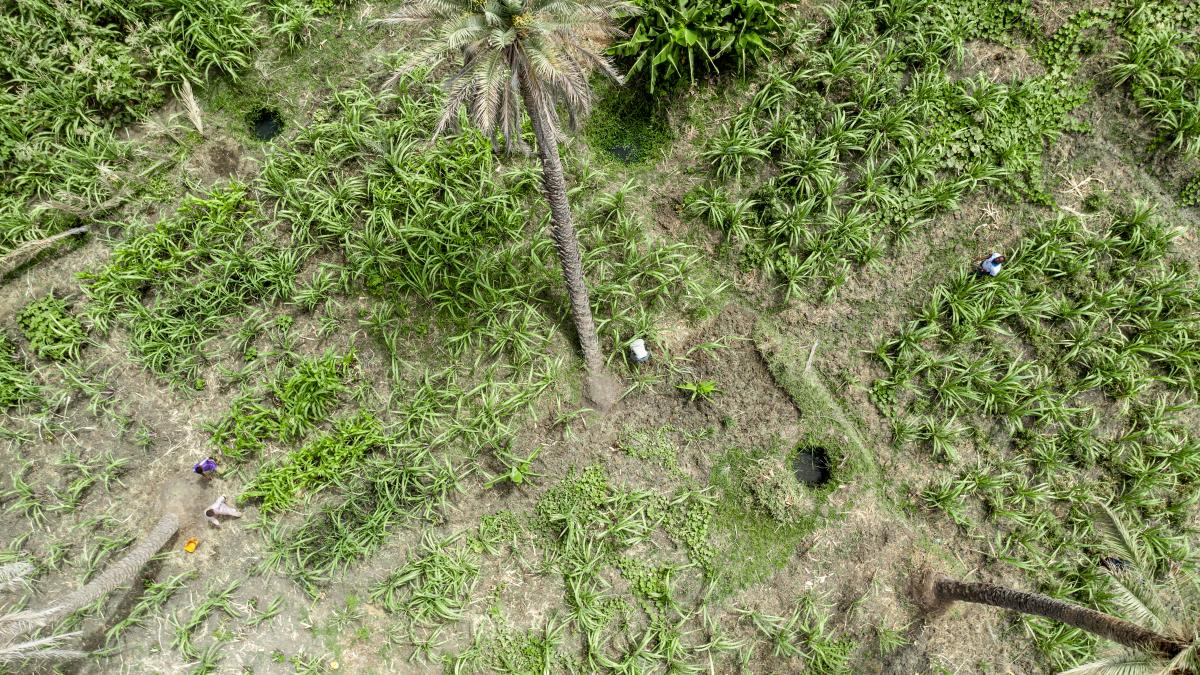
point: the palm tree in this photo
(16, 624)
(1161, 636)
(533, 54)
(180, 503)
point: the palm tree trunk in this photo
(944, 591)
(117, 574)
(562, 230)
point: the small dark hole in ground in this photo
(266, 123)
(627, 153)
(811, 465)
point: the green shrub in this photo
(330, 459)
(51, 330)
(295, 406)
(1190, 194)
(676, 40)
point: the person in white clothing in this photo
(990, 264)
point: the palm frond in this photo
(1123, 663)
(191, 106)
(41, 648)
(553, 46)
(459, 90)
(563, 77)
(426, 11)
(490, 78)
(1138, 601)
(460, 35)
(594, 12)
(1187, 661)
(14, 574)
(1115, 535)
(1186, 587)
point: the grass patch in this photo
(627, 124)
(750, 543)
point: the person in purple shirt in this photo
(990, 264)
(206, 468)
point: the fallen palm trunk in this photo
(122, 572)
(936, 593)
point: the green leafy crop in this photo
(675, 41)
(51, 330)
(327, 460)
(296, 404)
(850, 150)
(1190, 194)
(1068, 378)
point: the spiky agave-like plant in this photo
(531, 54)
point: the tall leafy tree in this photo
(533, 55)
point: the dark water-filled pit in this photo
(811, 465)
(266, 123)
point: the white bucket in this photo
(638, 352)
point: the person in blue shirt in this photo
(990, 264)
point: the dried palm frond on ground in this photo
(14, 258)
(192, 107)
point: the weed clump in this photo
(627, 124)
(805, 633)
(432, 586)
(52, 331)
(775, 490)
(500, 648)
(402, 483)
(1154, 48)
(496, 530)
(1190, 194)
(1159, 45)
(328, 460)
(671, 44)
(16, 385)
(654, 446)
(589, 526)
(296, 405)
